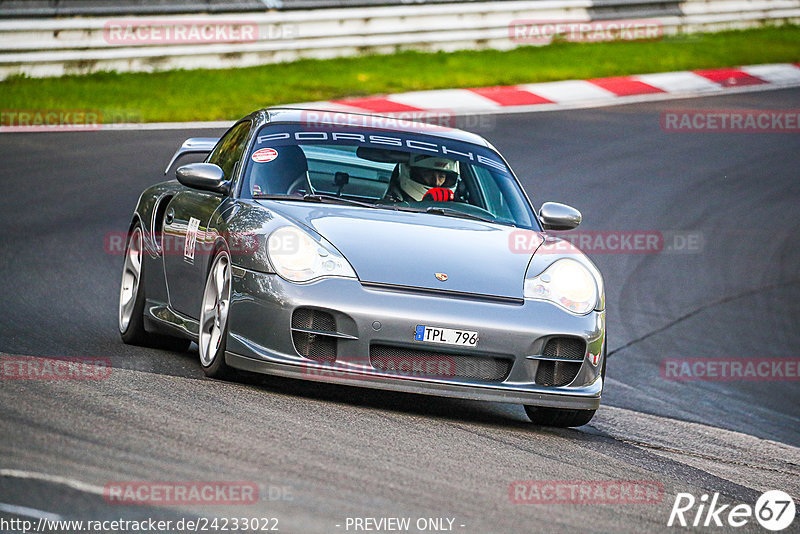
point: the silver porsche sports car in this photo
(367, 251)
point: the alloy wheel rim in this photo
(131, 276)
(214, 314)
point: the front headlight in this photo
(299, 258)
(569, 284)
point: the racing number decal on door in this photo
(191, 240)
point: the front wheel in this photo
(214, 318)
(558, 416)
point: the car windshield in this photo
(384, 169)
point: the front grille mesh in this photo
(435, 364)
(569, 348)
(316, 347)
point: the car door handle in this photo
(170, 215)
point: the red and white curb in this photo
(571, 94)
(550, 96)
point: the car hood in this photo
(409, 249)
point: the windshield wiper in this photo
(322, 198)
(456, 213)
(316, 198)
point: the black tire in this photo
(605, 358)
(216, 367)
(219, 369)
(133, 332)
(558, 417)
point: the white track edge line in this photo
(54, 479)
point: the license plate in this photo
(447, 336)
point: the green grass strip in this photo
(227, 94)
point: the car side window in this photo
(230, 148)
(494, 198)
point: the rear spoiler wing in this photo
(195, 145)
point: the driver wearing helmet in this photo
(422, 174)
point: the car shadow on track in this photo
(186, 365)
(408, 403)
(508, 416)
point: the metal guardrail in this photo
(69, 8)
(56, 46)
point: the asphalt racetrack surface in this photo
(726, 284)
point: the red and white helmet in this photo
(412, 179)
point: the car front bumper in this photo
(260, 338)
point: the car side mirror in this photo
(555, 216)
(203, 176)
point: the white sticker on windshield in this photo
(264, 155)
(191, 240)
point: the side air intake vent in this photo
(567, 348)
(556, 373)
(314, 334)
(561, 361)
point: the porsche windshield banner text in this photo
(453, 149)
